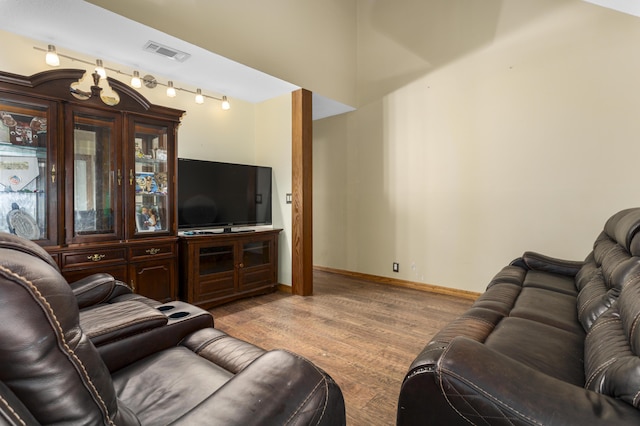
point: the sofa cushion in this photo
(550, 350)
(186, 381)
(552, 282)
(548, 307)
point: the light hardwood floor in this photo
(364, 334)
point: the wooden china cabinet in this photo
(87, 170)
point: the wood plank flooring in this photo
(364, 334)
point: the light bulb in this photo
(51, 58)
(199, 97)
(171, 92)
(225, 103)
(135, 80)
(100, 69)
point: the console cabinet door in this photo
(154, 279)
(215, 274)
(255, 269)
(153, 270)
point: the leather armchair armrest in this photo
(485, 386)
(540, 262)
(232, 354)
(97, 288)
(277, 388)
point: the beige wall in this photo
(239, 135)
(311, 44)
(484, 128)
(480, 140)
(273, 148)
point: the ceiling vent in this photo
(166, 51)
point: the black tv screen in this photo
(222, 195)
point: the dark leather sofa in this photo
(550, 342)
(95, 353)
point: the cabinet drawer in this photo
(255, 278)
(92, 257)
(152, 250)
(213, 287)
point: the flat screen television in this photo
(222, 195)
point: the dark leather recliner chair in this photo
(90, 291)
(52, 373)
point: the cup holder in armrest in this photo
(175, 315)
(178, 312)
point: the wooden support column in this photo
(301, 215)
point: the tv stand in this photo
(217, 267)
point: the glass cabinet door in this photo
(256, 253)
(96, 178)
(151, 178)
(26, 176)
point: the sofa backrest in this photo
(46, 361)
(612, 365)
(14, 242)
(614, 261)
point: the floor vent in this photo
(166, 51)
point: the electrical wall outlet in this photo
(396, 267)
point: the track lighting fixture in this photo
(199, 97)
(135, 80)
(171, 91)
(52, 58)
(100, 69)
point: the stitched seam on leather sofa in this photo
(313, 391)
(208, 343)
(598, 325)
(442, 370)
(323, 380)
(587, 303)
(70, 352)
(598, 370)
(12, 411)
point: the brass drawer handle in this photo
(152, 251)
(96, 257)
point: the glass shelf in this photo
(151, 178)
(23, 168)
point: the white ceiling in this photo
(77, 26)
(631, 7)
